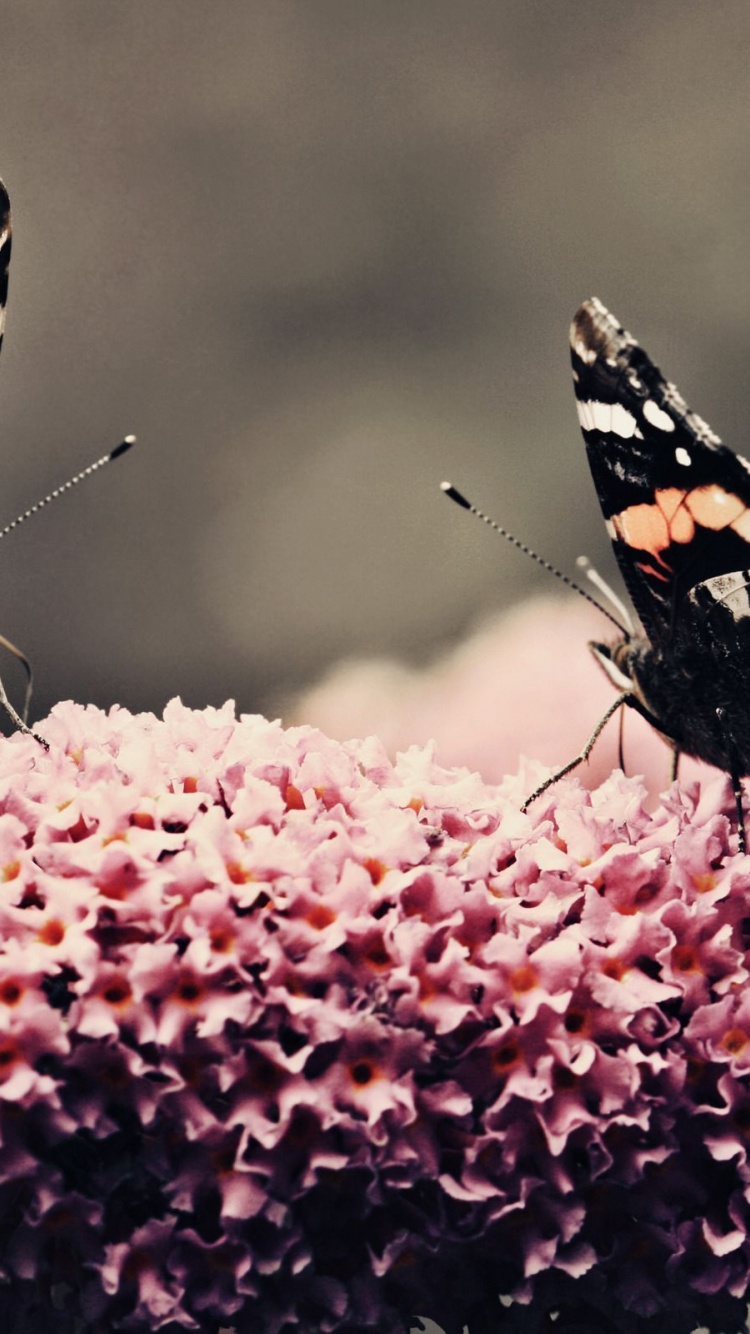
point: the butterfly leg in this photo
(624, 698)
(737, 790)
(11, 648)
(15, 717)
(735, 776)
(621, 741)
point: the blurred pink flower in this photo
(294, 1037)
(522, 685)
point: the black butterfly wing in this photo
(676, 501)
(5, 240)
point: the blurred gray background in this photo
(317, 255)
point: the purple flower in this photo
(293, 1037)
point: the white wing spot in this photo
(607, 417)
(657, 416)
(744, 462)
(682, 457)
(585, 415)
(623, 422)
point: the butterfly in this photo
(676, 503)
(5, 242)
(6, 236)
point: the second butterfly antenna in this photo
(20, 720)
(455, 495)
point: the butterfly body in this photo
(696, 695)
(677, 507)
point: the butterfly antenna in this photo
(113, 454)
(21, 720)
(453, 494)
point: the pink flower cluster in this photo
(296, 1038)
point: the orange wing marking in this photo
(674, 515)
